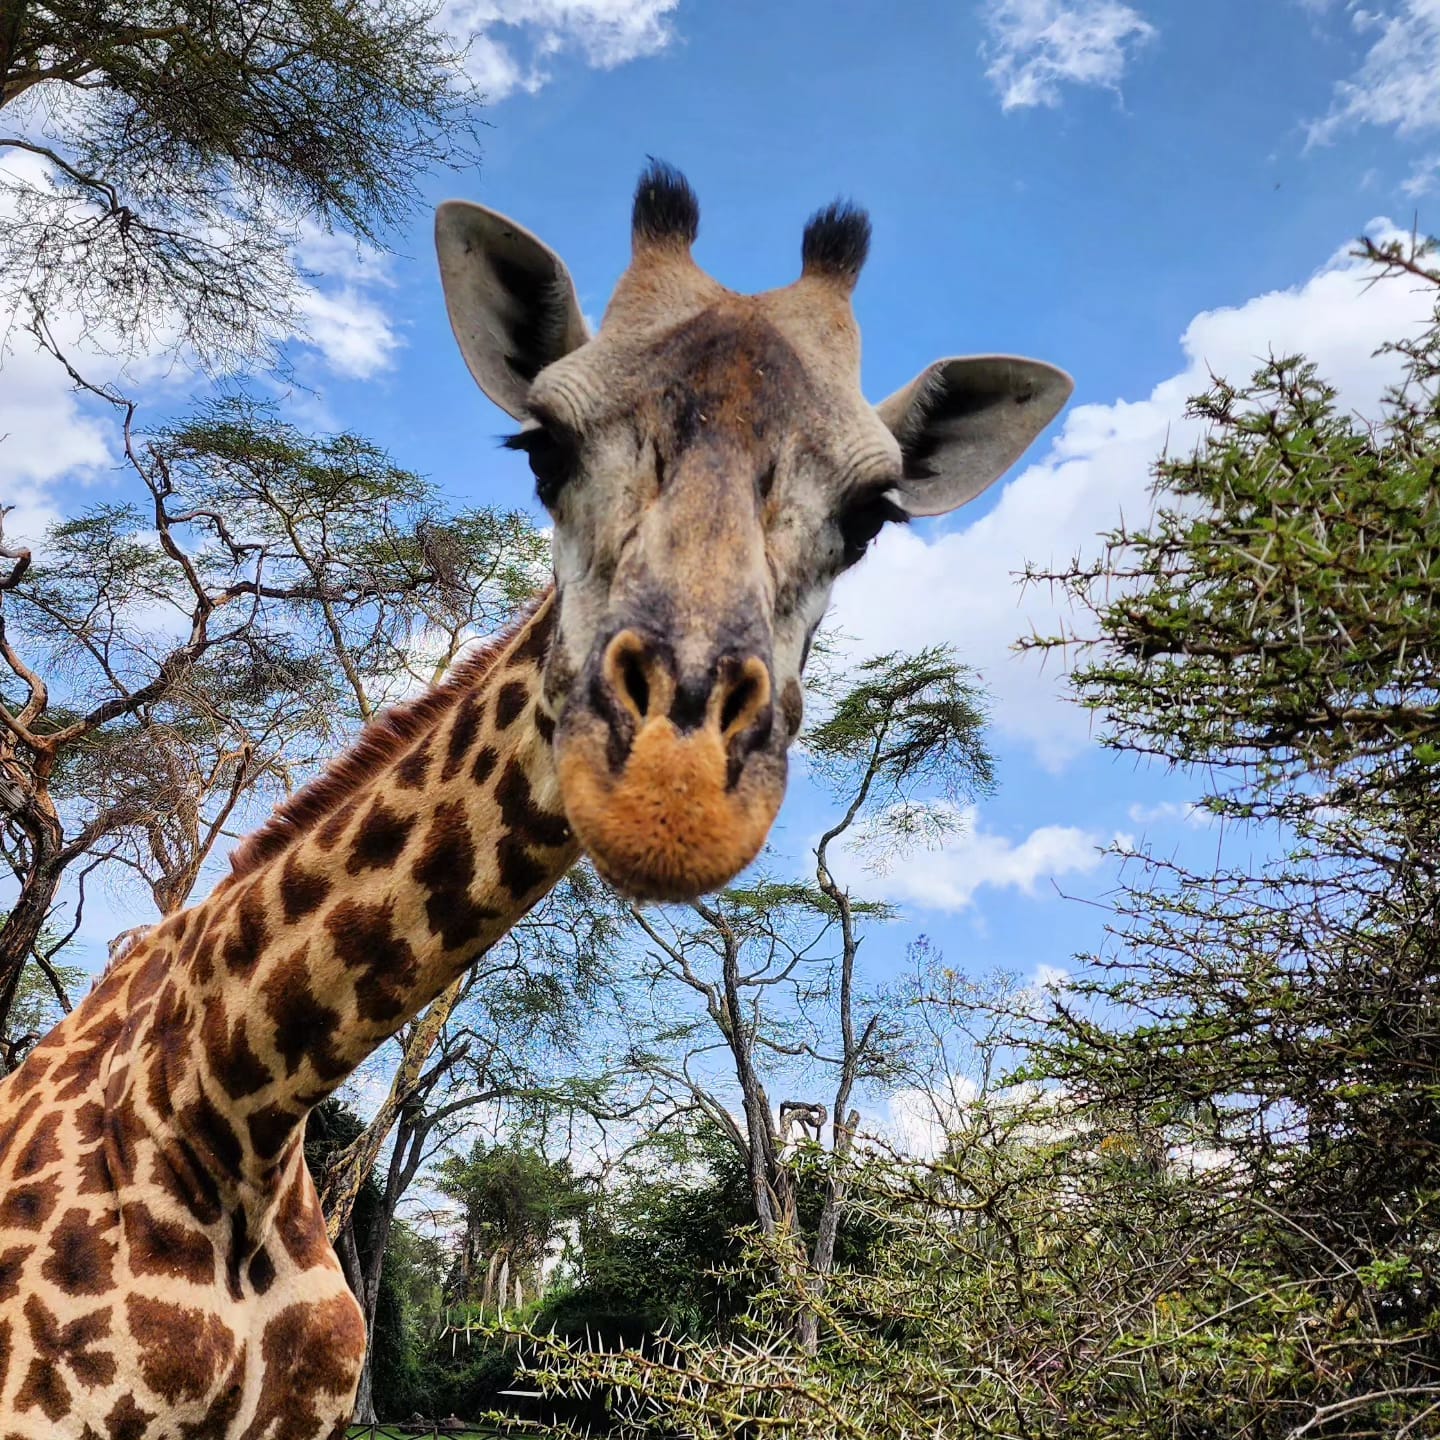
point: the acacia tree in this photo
(1222, 1217)
(1274, 629)
(514, 1201)
(1006, 1287)
(175, 662)
(185, 144)
(758, 988)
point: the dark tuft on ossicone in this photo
(837, 240)
(665, 206)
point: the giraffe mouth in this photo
(672, 820)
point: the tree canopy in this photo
(173, 660)
(186, 145)
(1203, 1199)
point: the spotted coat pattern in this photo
(164, 1266)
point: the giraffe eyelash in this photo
(552, 460)
(862, 520)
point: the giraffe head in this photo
(711, 466)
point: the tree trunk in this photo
(364, 1412)
(349, 1253)
(365, 1274)
(345, 1177)
(22, 926)
(829, 1226)
(823, 1256)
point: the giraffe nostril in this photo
(745, 692)
(635, 683)
(634, 675)
(737, 702)
(638, 684)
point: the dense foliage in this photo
(625, 1261)
(178, 151)
(652, 1252)
(1206, 1203)
(170, 663)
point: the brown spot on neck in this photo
(42, 1148)
(182, 1351)
(379, 839)
(386, 740)
(126, 1420)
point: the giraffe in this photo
(710, 466)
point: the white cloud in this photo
(343, 319)
(55, 442)
(494, 68)
(921, 1120)
(44, 431)
(1053, 978)
(960, 588)
(1038, 46)
(948, 876)
(511, 42)
(1048, 985)
(1398, 82)
(352, 333)
(1423, 177)
(62, 448)
(1196, 816)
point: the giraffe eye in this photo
(552, 457)
(863, 520)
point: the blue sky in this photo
(1170, 165)
(1132, 191)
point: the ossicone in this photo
(666, 211)
(837, 240)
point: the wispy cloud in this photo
(344, 319)
(971, 859)
(56, 444)
(1423, 178)
(1167, 811)
(1398, 82)
(513, 43)
(1036, 47)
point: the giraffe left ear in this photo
(962, 423)
(512, 303)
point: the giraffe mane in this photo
(382, 741)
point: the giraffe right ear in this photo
(963, 422)
(512, 303)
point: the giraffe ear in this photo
(512, 303)
(962, 423)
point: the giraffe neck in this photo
(345, 916)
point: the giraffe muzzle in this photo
(671, 780)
